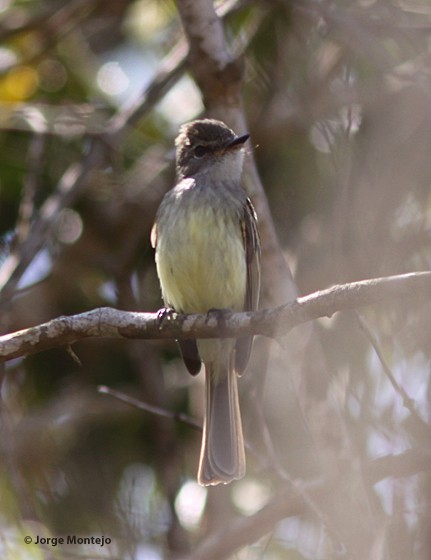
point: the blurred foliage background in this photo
(337, 96)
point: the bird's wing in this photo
(251, 241)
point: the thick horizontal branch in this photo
(108, 322)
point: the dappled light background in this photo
(337, 96)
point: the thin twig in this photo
(180, 416)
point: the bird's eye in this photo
(200, 151)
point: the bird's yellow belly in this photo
(201, 262)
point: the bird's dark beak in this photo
(237, 142)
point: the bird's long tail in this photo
(222, 453)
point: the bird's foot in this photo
(164, 315)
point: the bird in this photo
(207, 253)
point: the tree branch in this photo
(108, 322)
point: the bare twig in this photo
(108, 322)
(181, 417)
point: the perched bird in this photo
(208, 258)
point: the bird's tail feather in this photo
(222, 454)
